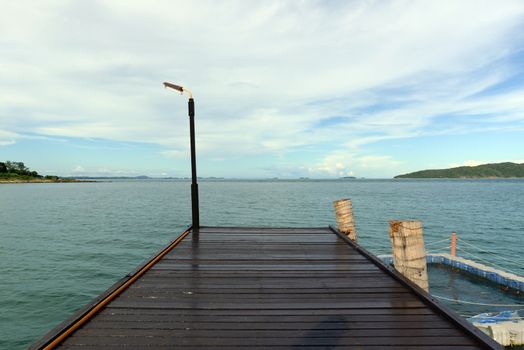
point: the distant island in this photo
(484, 171)
(17, 172)
(140, 177)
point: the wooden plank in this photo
(227, 274)
(217, 255)
(166, 267)
(189, 285)
(193, 330)
(256, 346)
(284, 282)
(223, 301)
(421, 328)
(125, 310)
(319, 264)
(273, 243)
(193, 304)
(326, 243)
(262, 274)
(266, 262)
(348, 292)
(274, 230)
(254, 321)
(240, 291)
(235, 248)
(233, 236)
(290, 243)
(263, 259)
(355, 259)
(336, 338)
(280, 280)
(326, 240)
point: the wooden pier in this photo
(264, 288)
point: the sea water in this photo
(63, 244)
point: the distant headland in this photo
(484, 171)
(17, 172)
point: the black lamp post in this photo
(194, 186)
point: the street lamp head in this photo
(173, 86)
(181, 89)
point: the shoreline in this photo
(461, 178)
(32, 181)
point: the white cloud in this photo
(78, 169)
(7, 138)
(473, 162)
(175, 153)
(6, 142)
(339, 164)
(264, 74)
(468, 163)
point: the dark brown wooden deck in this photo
(284, 288)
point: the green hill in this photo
(496, 170)
(17, 172)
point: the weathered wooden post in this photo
(409, 254)
(344, 213)
(454, 244)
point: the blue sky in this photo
(317, 89)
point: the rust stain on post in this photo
(344, 213)
(409, 254)
(454, 244)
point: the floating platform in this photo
(264, 288)
(506, 327)
(503, 278)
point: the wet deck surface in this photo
(268, 288)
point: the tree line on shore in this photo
(18, 169)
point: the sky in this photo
(287, 89)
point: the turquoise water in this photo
(62, 244)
